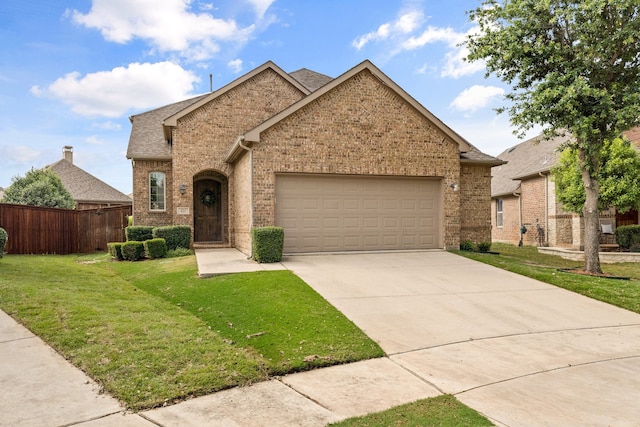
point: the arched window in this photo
(157, 192)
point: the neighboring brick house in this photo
(523, 193)
(88, 191)
(351, 163)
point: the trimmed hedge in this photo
(155, 248)
(628, 237)
(133, 250)
(3, 241)
(115, 250)
(139, 233)
(176, 236)
(267, 244)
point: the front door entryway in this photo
(209, 209)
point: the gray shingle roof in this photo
(310, 79)
(533, 156)
(85, 187)
(147, 139)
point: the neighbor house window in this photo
(499, 212)
(156, 191)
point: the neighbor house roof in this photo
(310, 79)
(531, 157)
(85, 187)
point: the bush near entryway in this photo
(267, 244)
(3, 241)
(115, 250)
(155, 248)
(139, 233)
(176, 236)
(133, 251)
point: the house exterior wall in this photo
(241, 220)
(534, 214)
(475, 203)
(141, 213)
(509, 232)
(560, 220)
(361, 127)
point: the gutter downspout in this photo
(520, 243)
(239, 141)
(546, 207)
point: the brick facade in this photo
(359, 127)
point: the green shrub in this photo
(484, 246)
(179, 252)
(133, 250)
(466, 245)
(155, 248)
(176, 236)
(138, 233)
(628, 236)
(115, 250)
(3, 241)
(267, 243)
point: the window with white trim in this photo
(157, 191)
(499, 212)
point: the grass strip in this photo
(149, 350)
(441, 411)
(273, 314)
(527, 261)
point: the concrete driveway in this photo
(521, 352)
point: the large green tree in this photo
(573, 67)
(39, 187)
(619, 178)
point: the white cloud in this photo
(108, 125)
(235, 65)
(93, 140)
(168, 25)
(405, 24)
(19, 154)
(113, 93)
(433, 35)
(476, 97)
(261, 6)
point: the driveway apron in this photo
(521, 352)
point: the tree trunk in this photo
(591, 216)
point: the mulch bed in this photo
(577, 270)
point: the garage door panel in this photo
(333, 213)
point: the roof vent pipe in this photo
(210, 82)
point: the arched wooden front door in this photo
(209, 209)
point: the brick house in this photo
(351, 163)
(523, 193)
(88, 191)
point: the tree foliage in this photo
(619, 178)
(573, 67)
(39, 187)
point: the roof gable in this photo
(85, 187)
(172, 120)
(473, 155)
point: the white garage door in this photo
(323, 213)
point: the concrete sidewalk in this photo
(521, 352)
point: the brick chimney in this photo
(67, 153)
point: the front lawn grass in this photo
(527, 261)
(152, 333)
(441, 411)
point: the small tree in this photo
(39, 187)
(619, 178)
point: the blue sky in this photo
(72, 72)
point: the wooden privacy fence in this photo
(38, 230)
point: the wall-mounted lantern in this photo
(183, 188)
